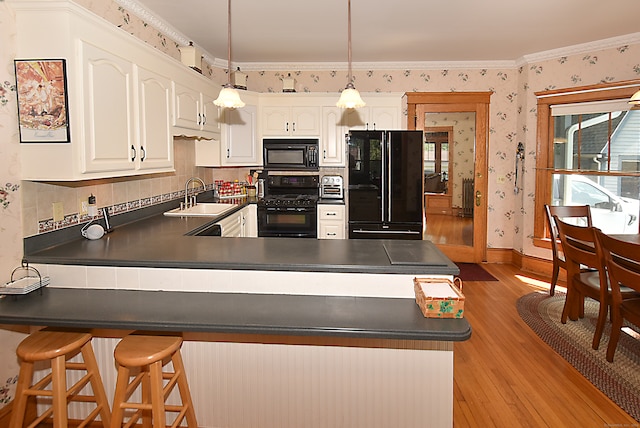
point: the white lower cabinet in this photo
(250, 219)
(241, 224)
(331, 221)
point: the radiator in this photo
(467, 197)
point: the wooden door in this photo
(465, 111)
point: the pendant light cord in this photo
(229, 42)
(349, 42)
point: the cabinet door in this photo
(109, 131)
(276, 121)
(358, 119)
(186, 107)
(240, 137)
(231, 226)
(332, 141)
(305, 121)
(156, 140)
(210, 113)
(331, 221)
(382, 118)
(250, 219)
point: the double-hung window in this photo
(589, 154)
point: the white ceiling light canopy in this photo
(350, 97)
(229, 96)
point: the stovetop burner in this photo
(290, 200)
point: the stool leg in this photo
(119, 397)
(145, 387)
(59, 388)
(20, 403)
(157, 395)
(183, 387)
(97, 386)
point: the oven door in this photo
(296, 222)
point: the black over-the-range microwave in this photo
(290, 153)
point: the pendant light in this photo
(229, 96)
(350, 97)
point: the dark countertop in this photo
(161, 241)
(293, 315)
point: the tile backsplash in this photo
(118, 195)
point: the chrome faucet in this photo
(189, 202)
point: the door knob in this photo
(478, 198)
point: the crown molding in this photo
(613, 42)
(164, 27)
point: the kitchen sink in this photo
(202, 210)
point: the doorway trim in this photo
(450, 102)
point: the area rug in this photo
(474, 272)
(619, 380)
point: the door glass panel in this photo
(449, 177)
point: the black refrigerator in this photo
(385, 184)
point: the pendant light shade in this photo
(350, 97)
(635, 99)
(229, 96)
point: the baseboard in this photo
(499, 255)
(542, 267)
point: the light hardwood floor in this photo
(449, 229)
(506, 376)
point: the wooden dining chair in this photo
(580, 213)
(580, 250)
(622, 260)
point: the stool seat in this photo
(138, 351)
(59, 347)
(47, 344)
(143, 357)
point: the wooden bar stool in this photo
(58, 347)
(146, 356)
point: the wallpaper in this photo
(23, 206)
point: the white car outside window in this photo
(610, 213)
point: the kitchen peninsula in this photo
(281, 332)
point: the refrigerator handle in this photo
(384, 180)
(388, 138)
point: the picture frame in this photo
(41, 86)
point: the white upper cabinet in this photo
(285, 121)
(239, 136)
(373, 118)
(110, 142)
(195, 115)
(156, 141)
(119, 96)
(238, 144)
(332, 141)
(382, 112)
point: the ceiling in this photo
(401, 31)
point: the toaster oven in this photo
(331, 187)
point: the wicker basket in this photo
(439, 297)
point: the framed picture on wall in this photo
(41, 85)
